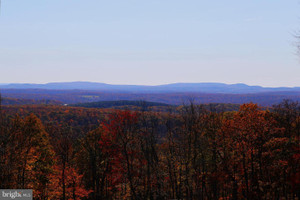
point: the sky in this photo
(150, 42)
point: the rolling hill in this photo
(168, 88)
(175, 94)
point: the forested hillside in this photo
(14, 101)
(195, 152)
(173, 98)
(130, 105)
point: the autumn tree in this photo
(38, 157)
(9, 130)
(255, 155)
(152, 177)
(122, 133)
(171, 157)
(194, 145)
(94, 163)
(287, 115)
(28, 158)
(67, 179)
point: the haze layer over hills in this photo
(175, 87)
(176, 94)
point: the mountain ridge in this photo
(204, 87)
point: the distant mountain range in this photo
(219, 88)
(175, 94)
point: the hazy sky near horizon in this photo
(150, 42)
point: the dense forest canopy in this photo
(195, 152)
(29, 96)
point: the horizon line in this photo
(238, 83)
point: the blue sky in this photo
(150, 42)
